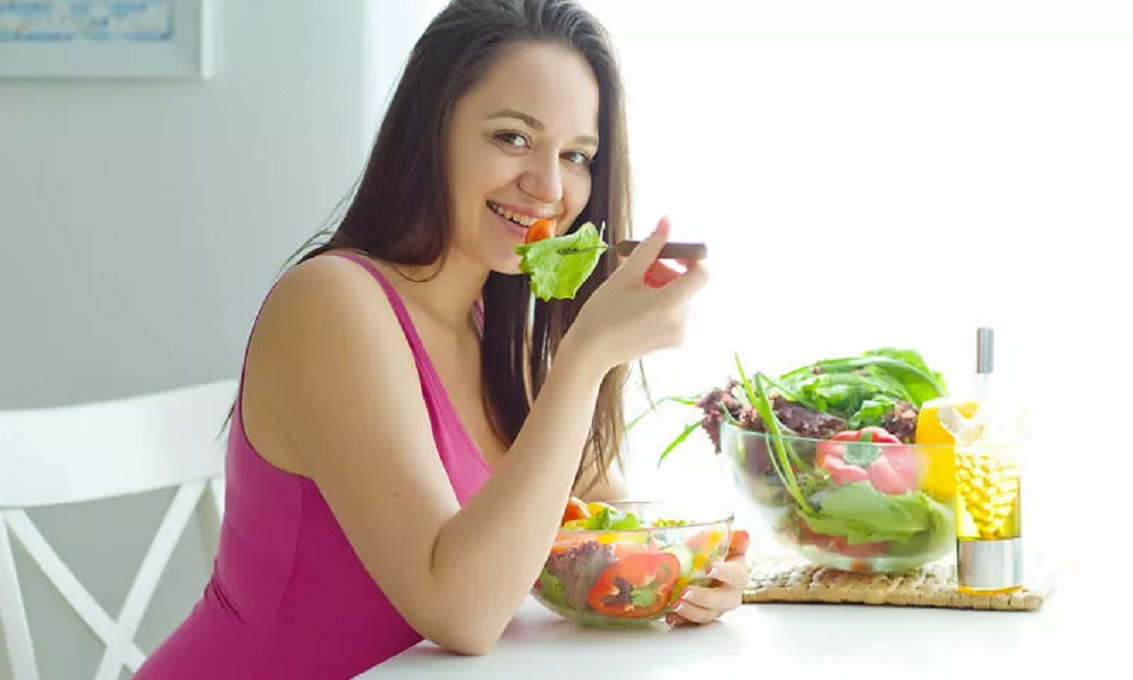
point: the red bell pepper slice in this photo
(871, 454)
(637, 586)
(738, 547)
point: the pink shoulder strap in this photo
(394, 299)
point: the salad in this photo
(559, 265)
(612, 565)
(830, 453)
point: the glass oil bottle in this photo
(989, 536)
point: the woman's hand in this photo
(640, 308)
(704, 604)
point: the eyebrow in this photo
(536, 124)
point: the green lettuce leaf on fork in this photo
(558, 266)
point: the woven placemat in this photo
(787, 579)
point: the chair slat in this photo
(145, 583)
(13, 616)
(90, 452)
(60, 575)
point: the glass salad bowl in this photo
(626, 564)
(860, 500)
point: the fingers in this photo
(644, 264)
(686, 613)
(699, 604)
(702, 605)
(647, 253)
(731, 574)
(688, 283)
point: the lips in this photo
(523, 219)
(518, 230)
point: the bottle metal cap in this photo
(985, 341)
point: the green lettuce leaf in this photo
(552, 589)
(872, 412)
(863, 515)
(558, 266)
(842, 394)
(922, 383)
(926, 541)
(863, 389)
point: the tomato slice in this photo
(539, 230)
(637, 586)
(841, 545)
(575, 509)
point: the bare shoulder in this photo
(324, 329)
(324, 285)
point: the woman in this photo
(382, 487)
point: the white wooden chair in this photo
(89, 452)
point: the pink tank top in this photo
(288, 598)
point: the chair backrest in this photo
(88, 452)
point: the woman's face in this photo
(518, 148)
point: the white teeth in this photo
(525, 220)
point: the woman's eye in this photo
(513, 139)
(578, 158)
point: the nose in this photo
(542, 179)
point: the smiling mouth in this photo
(515, 218)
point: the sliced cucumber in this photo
(684, 555)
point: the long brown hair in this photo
(399, 212)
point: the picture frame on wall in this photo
(105, 39)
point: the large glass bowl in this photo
(847, 513)
(631, 578)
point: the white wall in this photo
(140, 225)
(142, 220)
(885, 172)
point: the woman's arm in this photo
(343, 385)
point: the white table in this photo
(767, 640)
(1085, 627)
